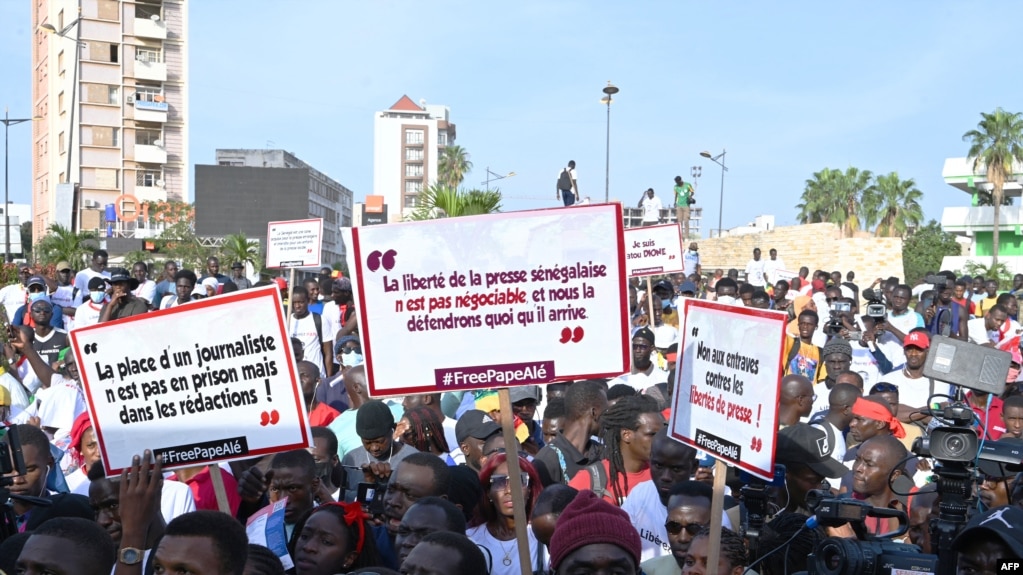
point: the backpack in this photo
(565, 180)
(599, 480)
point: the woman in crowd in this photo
(334, 538)
(493, 528)
(422, 428)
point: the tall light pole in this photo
(496, 177)
(8, 122)
(719, 160)
(63, 33)
(609, 90)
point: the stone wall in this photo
(812, 245)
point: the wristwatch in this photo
(130, 556)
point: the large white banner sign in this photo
(653, 250)
(726, 389)
(293, 244)
(490, 301)
(213, 380)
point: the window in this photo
(147, 137)
(442, 138)
(113, 95)
(60, 102)
(60, 143)
(146, 93)
(413, 136)
(149, 55)
(413, 170)
(414, 154)
(107, 10)
(60, 61)
(147, 11)
(411, 201)
(147, 178)
(101, 136)
(101, 51)
(413, 186)
(101, 94)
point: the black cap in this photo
(475, 423)
(803, 444)
(237, 266)
(118, 275)
(97, 283)
(36, 281)
(374, 419)
(1005, 523)
(644, 333)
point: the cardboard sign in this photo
(266, 528)
(490, 301)
(726, 390)
(208, 381)
(653, 250)
(293, 244)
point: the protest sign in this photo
(266, 528)
(212, 380)
(293, 244)
(726, 389)
(653, 250)
(489, 301)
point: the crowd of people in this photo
(422, 484)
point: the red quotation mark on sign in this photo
(269, 418)
(757, 444)
(376, 260)
(574, 335)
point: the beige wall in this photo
(814, 246)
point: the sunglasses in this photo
(500, 482)
(674, 527)
(641, 346)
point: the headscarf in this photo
(871, 410)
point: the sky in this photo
(786, 88)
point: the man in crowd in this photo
(836, 419)
(988, 539)
(755, 271)
(594, 536)
(292, 474)
(651, 206)
(772, 266)
(802, 357)
(238, 276)
(645, 372)
(877, 461)
(145, 289)
(796, 399)
(989, 298)
(97, 268)
(307, 326)
(123, 302)
(688, 512)
(427, 515)
(683, 194)
(946, 317)
(988, 329)
(568, 186)
(88, 313)
(165, 284)
(472, 429)
(207, 542)
(914, 389)
(213, 271)
(374, 424)
(67, 545)
(572, 450)
(411, 479)
(806, 453)
(901, 319)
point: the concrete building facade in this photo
(408, 139)
(114, 109)
(249, 188)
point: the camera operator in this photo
(946, 317)
(997, 481)
(988, 538)
(806, 453)
(867, 357)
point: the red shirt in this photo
(204, 494)
(997, 427)
(322, 415)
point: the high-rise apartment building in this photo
(114, 110)
(408, 139)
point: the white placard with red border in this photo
(653, 250)
(207, 381)
(516, 298)
(293, 244)
(726, 389)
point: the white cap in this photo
(665, 336)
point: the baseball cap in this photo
(342, 284)
(803, 444)
(1005, 523)
(644, 333)
(664, 285)
(524, 392)
(237, 266)
(36, 280)
(917, 339)
(664, 336)
(474, 423)
(687, 287)
(62, 265)
(817, 285)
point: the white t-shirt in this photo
(755, 273)
(651, 209)
(56, 406)
(771, 267)
(978, 331)
(64, 297)
(865, 364)
(648, 516)
(907, 322)
(332, 322)
(449, 434)
(914, 392)
(312, 349)
(838, 451)
(500, 550)
(82, 282)
(690, 260)
(641, 381)
(147, 291)
(87, 314)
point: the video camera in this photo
(876, 307)
(835, 324)
(868, 554)
(12, 464)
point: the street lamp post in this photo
(496, 177)
(63, 33)
(719, 160)
(8, 122)
(609, 90)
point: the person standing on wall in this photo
(685, 196)
(568, 187)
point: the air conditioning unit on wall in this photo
(90, 203)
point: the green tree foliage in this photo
(179, 242)
(26, 239)
(454, 164)
(238, 248)
(440, 201)
(996, 144)
(999, 272)
(893, 204)
(61, 244)
(923, 250)
(835, 196)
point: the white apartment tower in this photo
(114, 110)
(407, 141)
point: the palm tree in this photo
(996, 143)
(441, 201)
(893, 204)
(238, 248)
(984, 199)
(835, 196)
(452, 166)
(61, 244)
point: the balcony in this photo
(150, 154)
(149, 111)
(967, 220)
(150, 28)
(154, 71)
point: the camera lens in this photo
(954, 445)
(830, 558)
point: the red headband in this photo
(871, 410)
(353, 515)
